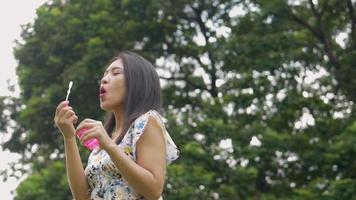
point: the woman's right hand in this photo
(65, 118)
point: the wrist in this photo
(110, 147)
(70, 139)
(68, 133)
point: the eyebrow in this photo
(113, 68)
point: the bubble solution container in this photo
(90, 143)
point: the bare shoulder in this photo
(153, 137)
(151, 150)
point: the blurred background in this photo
(259, 95)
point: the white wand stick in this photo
(68, 91)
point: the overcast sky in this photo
(13, 13)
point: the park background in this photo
(259, 95)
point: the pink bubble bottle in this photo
(90, 143)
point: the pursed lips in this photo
(102, 91)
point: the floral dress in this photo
(105, 180)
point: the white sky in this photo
(13, 13)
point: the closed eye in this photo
(116, 70)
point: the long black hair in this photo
(143, 91)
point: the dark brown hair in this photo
(143, 91)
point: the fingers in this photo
(61, 105)
(87, 123)
(88, 135)
(68, 115)
(65, 116)
(96, 131)
(63, 111)
(89, 120)
(75, 119)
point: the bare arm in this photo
(146, 176)
(75, 171)
(64, 119)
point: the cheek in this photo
(123, 92)
(120, 89)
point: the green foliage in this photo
(48, 183)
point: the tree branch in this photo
(318, 31)
(323, 8)
(187, 81)
(352, 16)
(326, 41)
(305, 25)
(319, 24)
(314, 9)
(205, 67)
(204, 31)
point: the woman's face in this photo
(112, 87)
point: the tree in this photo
(45, 184)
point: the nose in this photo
(103, 80)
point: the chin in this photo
(110, 105)
(105, 107)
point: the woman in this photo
(134, 146)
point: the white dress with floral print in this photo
(105, 180)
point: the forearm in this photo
(140, 179)
(75, 172)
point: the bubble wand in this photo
(69, 88)
(91, 143)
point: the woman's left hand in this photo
(96, 130)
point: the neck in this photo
(119, 121)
